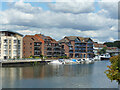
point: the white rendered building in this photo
(10, 45)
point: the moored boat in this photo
(56, 62)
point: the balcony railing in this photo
(69, 45)
(70, 52)
(89, 48)
(77, 42)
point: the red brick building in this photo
(40, 44)
(77, 47)
(32, 46)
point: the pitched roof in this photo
(63, 40)
(11, 32)
(72, 38)
(33, 38)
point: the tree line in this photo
(113, 44)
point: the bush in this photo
(113, 73)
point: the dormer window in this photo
(32, 39)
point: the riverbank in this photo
(23, 62)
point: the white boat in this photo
(56, 62)
(68, 61)
(85, 60)
(102, 57)
(89, 60)
(81, 60)
(97, 58)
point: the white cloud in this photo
(73, 7)
(28, 32)
(31, 20)
(26, 7)
(111, 39)
(48, 19)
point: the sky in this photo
(97, 19)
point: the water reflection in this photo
(59, 76)
(44, 71)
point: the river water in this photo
(58, 76)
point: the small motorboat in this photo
(89, 60)
(56, 62)
(102, 57)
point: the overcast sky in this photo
(95, 19)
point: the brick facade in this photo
(77, 47)
(46, 46)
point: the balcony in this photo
(56, 51)
(89, 45)
(49, 55)
(69, 45)
(77, 42)
(70, 48)
(70, 52)
(89, 48)
(56, 47)
(77, 48)
(76, 51)
(77, 45)
(89, 51)
(49, 51)
(55, 55)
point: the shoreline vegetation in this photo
(113, 72)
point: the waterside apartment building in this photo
(97, 47)
(77, 47)
(10, 45)
(39, 44)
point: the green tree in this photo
(113, 73)
(103, 51)
(113, 44)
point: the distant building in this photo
(113, 51)
(97, 47)
(77, 47)
(10, 45)
(39, 44)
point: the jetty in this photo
(23, 62)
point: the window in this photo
(9, 46)
(5, 41)
(14, 52)
(30, 51)
(9, 52)
(30, 43)
(30, 47)
(62, 46)
(18, 46)
(15, 41)
(18, 41)
(5, 52)
(9, 41)
(6, 46)
(15, 46)
(32, 39)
